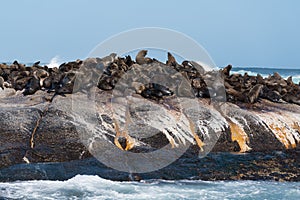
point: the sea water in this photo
(94, 187)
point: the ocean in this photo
(95, 187)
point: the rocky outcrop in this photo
(55, 134)
(37, 131)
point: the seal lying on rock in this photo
(156, 91)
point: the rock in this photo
(57, 140)
(51, 136)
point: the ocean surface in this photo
(94, 187)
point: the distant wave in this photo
(54, 62)
(250, 73)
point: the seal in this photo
(41, 75)
(2, 82)
(171, 60)
(271, 95)
(18, 66)
(234, 95)
(107, 82)
(260, 79)
(32, 86)
(37, 64)
(66, 85)
(47, 82)
(226, 70)
(129, 61)
(289, 81)
(254, 93)
(53, 81)
(21, 83)
(156, 91)
(141, 59)
(65, 67)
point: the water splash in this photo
(54, 62)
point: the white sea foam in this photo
(54, 62)
(296, 79)
(94, 187)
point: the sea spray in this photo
(54, 62)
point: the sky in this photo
(242, 33)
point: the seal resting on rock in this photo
(156, 91)
(141, 59)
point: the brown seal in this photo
(254, 93)
(141, 59)
(234, 95)
(41, 75)
(171, 60)
(226, 70)
(32, 86)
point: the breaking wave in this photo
(54, 62)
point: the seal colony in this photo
(60, 81)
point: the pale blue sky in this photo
(244, 33)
